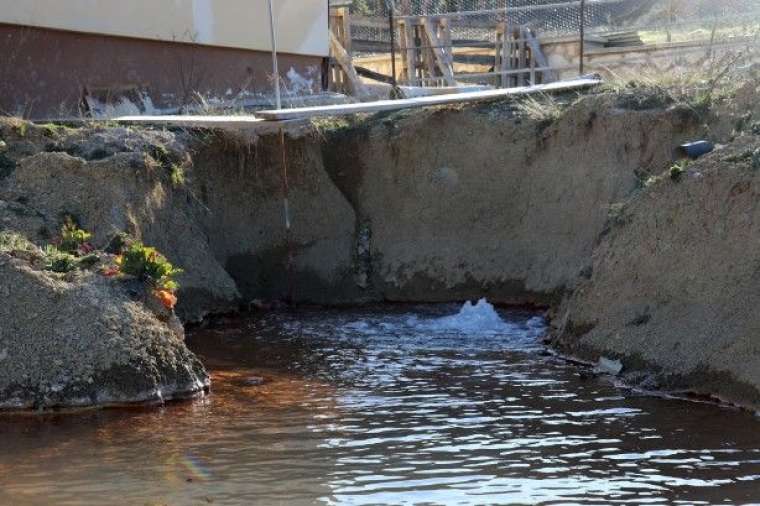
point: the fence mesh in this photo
(656, 20)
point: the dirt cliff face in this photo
(462, 203)
(243, 183)
(431, 205)
(114, 180)
(675, 282)
(80, 339)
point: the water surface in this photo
(389, 405)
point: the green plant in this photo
(59, 261)
(177, 175)
(160, 154)
(148, 264)
(328, 124)
(73, 238)
(52, 130)
(11, 241)
(677, 170)
(616, 213)
(22, 128)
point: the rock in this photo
(51, 359)
(608, 366)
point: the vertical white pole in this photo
(275, 70)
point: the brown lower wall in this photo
(48, 73)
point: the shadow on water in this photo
(387, 405)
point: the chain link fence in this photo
(474, 20)
(507, 43)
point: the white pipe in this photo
(275, 69)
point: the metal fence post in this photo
(583, 37)
(275, 69)
(392, 26)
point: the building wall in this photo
(60, 74)
(242, 24)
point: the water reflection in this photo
(387, 406)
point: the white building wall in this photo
(302, 24)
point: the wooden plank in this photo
(345, 36)
(354, 84)
(498, 61)
(405, 74)
(429, 66)
(522, 60)
(409, 50)
(390, 105)
(441, 59)
(371, 74)
(538, 54)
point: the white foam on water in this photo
(475, 326)
(480, 318)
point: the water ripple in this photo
(401, 405)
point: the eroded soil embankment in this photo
(484, 201)
(675, 284)
(439, 204)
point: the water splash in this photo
(470, 326)
(479, 319)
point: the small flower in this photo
(167, 298)
(119, 260)
(110, 272)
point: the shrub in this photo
(677, 170)
(177, 175)
(11, 241)
(59, 261)
(148, 264)
(74, 239)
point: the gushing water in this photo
(479, 319)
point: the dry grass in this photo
(541, 108)
(699, 85)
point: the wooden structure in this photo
(428, 55)
(519, 60)
(426, 51)
(342, 76)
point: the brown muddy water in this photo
(399, 405)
